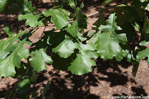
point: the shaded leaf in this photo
(33, 77)
(9, 94)
(101, 20)
(135, 68)
(23, 86)
(62, 63)
(14, 9)
(82, 19)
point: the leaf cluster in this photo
(67, 48)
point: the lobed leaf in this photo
(12, 54)
(32, 20)
(28, 14)
(73, 29)
(57, 17)
(65, 48)
(38, 60)
(108, 43)
(83, 62)
(81, 65)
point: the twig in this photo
(92, 14)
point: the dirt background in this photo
(109, 78)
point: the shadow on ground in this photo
(64, 85)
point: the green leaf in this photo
(28, 14)
(91, 33)
(38, 60)
(65, 48)
(73, 29)
(137, 26)
(106, 2)
(3, 5)
(28, 9)
(32, 20)
(7, 65)
(4, 46)
(23, 86)
(144, 1)
(108, 41)
(144, 43)
(94, 38)
(83, 47)
(143, 54)
(7, 29)
(83, 62)
(79, 62)
(72, 4)
(80, 37)
(147, 7)
(57, 17)
(13, 54)
(64, 12)
(82, 5)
